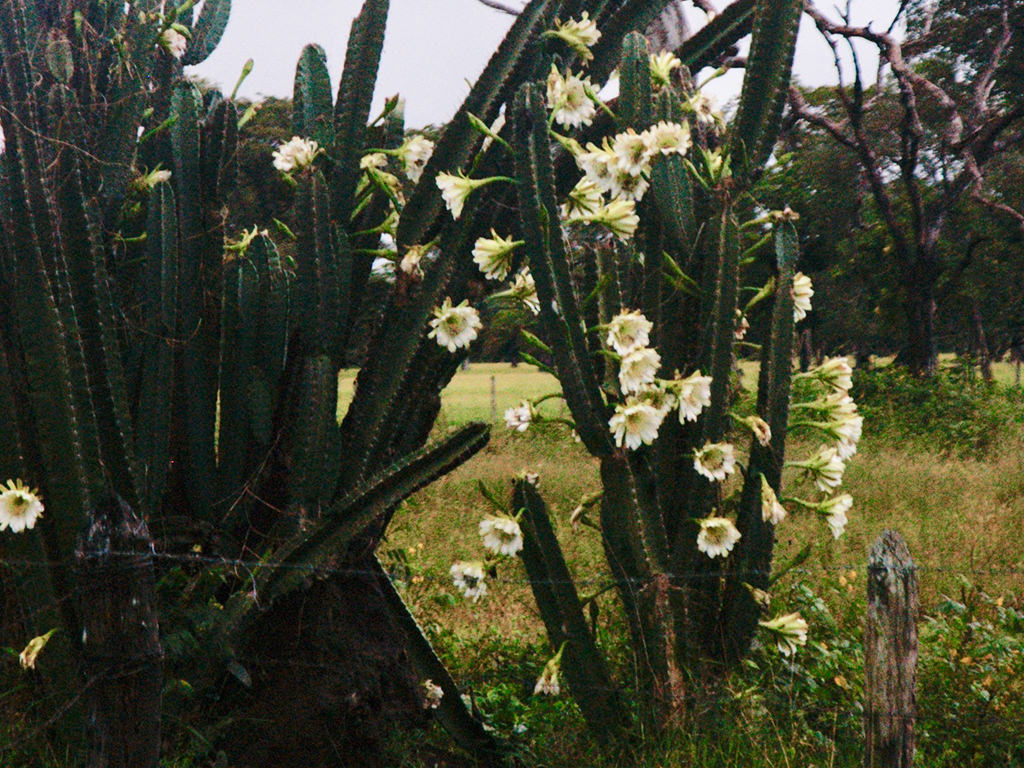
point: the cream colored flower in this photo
(469, 577)
(693, 394)
(618, 217)
(715, 461)
(638, 368)
(802, 293)
(376, 160)
(410, 263)
(20, 506)
(771, 510)
(414, 154)
(295, 154)
(635, 423)
(759, 427)
(524, 289)
(547, 683)
(629, 187)
(848, 431)
(834, 510)
(631, 152)
(454, 326)
(662, 65)
(27, 658)
(584, 200)
(834, 372)
(174, 42)
(667, 138)
(494, 255)
(598, 163)
(659, 398)
(628, 331)
(825, 468)
(717, 536)
(742, 326)
(789, 632)
(702, 106)
(579, 35)
(568, 99)
(501, 535)
(454, 190)
(519, 417)
(432, 694)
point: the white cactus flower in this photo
(174, 42)
(501, 535)
(667, 138)
(493, 255)
(717, 536)
(469, 577)
(568, 99)
(802, 293)
(834, 510)
(635, 423)
(662, 65)
(789, 632)
(715, 461)
(632, 155)
(454, 326)
(414, 154)
(618, 217)
(295, 154)
(693, 394)
(825, 468)
(628, 331)
(580, 35)
(519, 417)
(20, 506)
(638, 368)
(584, 200)
(771, 510)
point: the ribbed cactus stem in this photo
(583, 663)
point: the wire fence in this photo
(842, 710)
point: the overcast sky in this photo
(433, 49)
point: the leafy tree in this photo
(923, 136)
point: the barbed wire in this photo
(321, 569)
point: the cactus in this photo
(185, 365)
(154, 348)
(690, 599)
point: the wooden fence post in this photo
(122, 658)
(890, 654)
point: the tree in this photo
(949, 114)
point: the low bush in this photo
(953, 411)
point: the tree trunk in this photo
(920, 354)
(981, 343)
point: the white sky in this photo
(434, 48)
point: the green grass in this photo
(468, 397)
(963, 519)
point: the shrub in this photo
(951, 410)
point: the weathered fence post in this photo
(890, 655)
(121, 653)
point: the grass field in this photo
(963, 519)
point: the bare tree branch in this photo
(498, 6)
